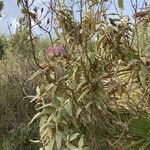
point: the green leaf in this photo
(140, 127)
(40, 71)
(120, 3)
(145, 145)
(74, 136)
(58, 141)
(18, 2)
(134, 143)
(98, 105)
(62, 113)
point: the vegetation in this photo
(85, 85)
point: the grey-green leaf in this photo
(68, 109)
(70, 146)
(83, 94)
(58, 141)
(40, 71)
(74, 136)
(81, 143)
(36, 116)
(78, 112)
(51, 144)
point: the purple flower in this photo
(56, 50)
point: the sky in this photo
(11, 13)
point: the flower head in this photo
(56, 50)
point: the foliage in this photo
(1, 6)
(2, 46)
(20, 43)
(140, 128)
(15, 112)
(89, 94)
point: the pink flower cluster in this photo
(56, 50)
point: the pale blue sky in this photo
(11, 12)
